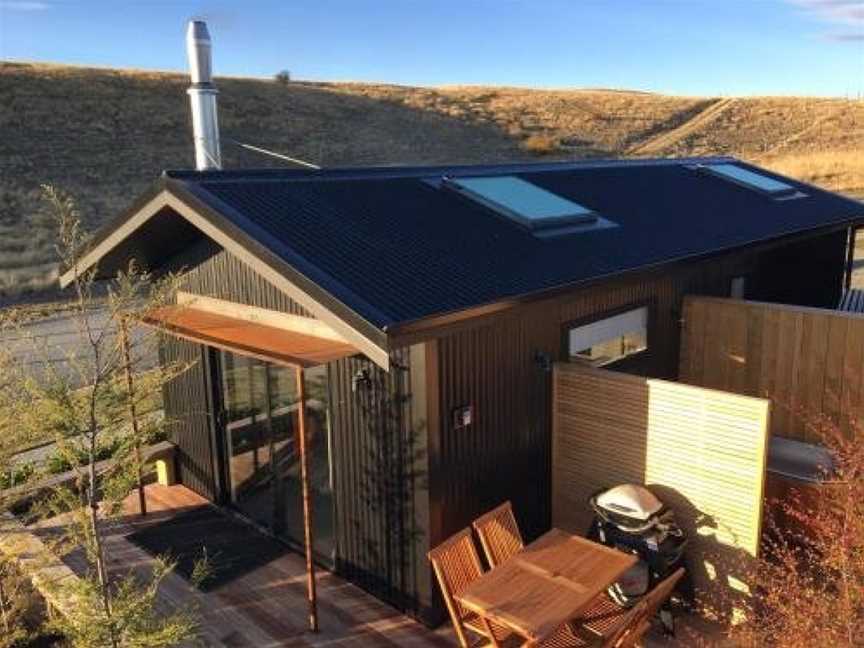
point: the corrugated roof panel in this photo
(395, 248)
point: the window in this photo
(522, 201)
(608, 340)
(753, 180)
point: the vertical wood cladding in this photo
(209, 270)
(500, 365)
(378, 457)
(187, 414)
(506, 452)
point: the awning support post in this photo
(307, 501)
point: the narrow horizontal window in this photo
(608, 340)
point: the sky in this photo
(685, 47)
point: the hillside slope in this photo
(104, 135)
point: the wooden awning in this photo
(283, 339)
(241, 336)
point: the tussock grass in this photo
(838, 170)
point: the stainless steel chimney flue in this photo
(202, 95)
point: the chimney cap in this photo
(198, 30)
(198, 49)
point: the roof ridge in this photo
(419, 171)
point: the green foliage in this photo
(134, 620)
(283, 77)
(16, 475)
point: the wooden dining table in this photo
(548, 583)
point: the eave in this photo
(171, 195)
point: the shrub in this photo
(16, 475)
(541, 144)
(809, 584)
(283, 77)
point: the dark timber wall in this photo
(187, 413)
(378, 457)
(497, 366)
(808, 273)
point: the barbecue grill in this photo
(632, 519)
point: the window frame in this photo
(650, 332)
(587, 217)
(791, 193)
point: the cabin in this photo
(425, 308)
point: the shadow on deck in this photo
(258, 593)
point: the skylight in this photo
(752, 179)
(526, 203)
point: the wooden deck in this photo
(265, 607)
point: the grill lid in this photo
(632, 500)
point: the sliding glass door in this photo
(263, 451)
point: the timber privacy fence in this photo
(702, 451)
(808, 361)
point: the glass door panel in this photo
(244, 389)
(318, 435)
(263, 450)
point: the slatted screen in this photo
(701, 451)
(808, 361)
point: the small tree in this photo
(91, 404)
(283, 77)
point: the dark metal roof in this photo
(395, 248)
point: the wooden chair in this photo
(499, 534)
(660, 594)
(632, 627)
(457, 565)
(605, 615)
(626, 632)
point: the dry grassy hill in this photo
(104, 135)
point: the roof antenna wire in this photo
(263, 151)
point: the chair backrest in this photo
(637, 621)
(499, 534)
(456, 565)
(631, 628)
(661, 593)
